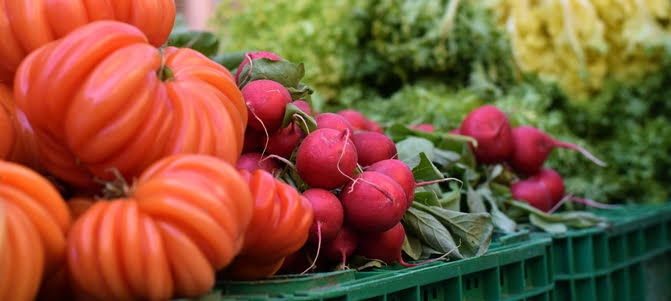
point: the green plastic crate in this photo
(629, 261)
(515, 268)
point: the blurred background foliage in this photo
(593, 72)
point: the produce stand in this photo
(511, 150)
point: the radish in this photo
(532, 192)
(302, 261)
(326, 158)
(284, 142)
(385, 246)
(454, 131)
(373, 202)
(374, 127)
(328, 214)
(254, 141)
(532, 148)
(252, 56)
(266, 102)
(333, 121)
(552, 181)
(253, 161)
(489, 126)
(341, 246)
(388, 246)
(424, 127)
(399, 172)
(355, 118)
(305, 107)
(294, 263)
(372, 147)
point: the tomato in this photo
(26, 25)
(17, 139)
(280, 225)
(184, 219)
(103, 98)
(34, 226)
(7, 132)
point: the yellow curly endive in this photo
(579, 43)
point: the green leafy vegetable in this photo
(473, 230)
(305, 121)
(413, 247)
(204, 42)
(558, 223)
(430, 231)
(409, 150)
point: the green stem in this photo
(164, 73)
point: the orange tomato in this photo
(26, 25)
(280, 225)
(17, 140)
(36, 221)
(7, 132)
(103, 97)
(184, 219)
(79, 205)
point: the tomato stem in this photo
(164, 72)
(114, 189)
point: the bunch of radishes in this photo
(358, 189)
(524, 149)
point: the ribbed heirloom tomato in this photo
(103, 97)
(280, 225)
(34, 225)
(184, 219)
(25, 25)
(17, 140)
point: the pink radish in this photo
(284, 142)
(341, 246)
(326, 158)
(552, 181)
(399, 172)
(533, 193)
(372, 147)
(373, 202)
(253, 161)
(532, 148)
(355, 118)
(388, 246)
(328, 214)
(455, 132)
(385, 246)
(254, 141)
(489, 126)
(424, 127)
(305, 107)
(252, 56)
(266, 102)
(301, 261)
(374, 127)
(333, 121)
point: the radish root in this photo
(305, 123)
(287, 162)
(248, 57)
(265, 130)
(424, 183)
(319, 246)
(583, 151)
(587, 202)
